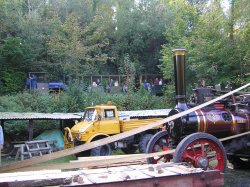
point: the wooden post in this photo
(30, 129)
(61, 125)
(22, 151)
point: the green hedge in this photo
(74, 99)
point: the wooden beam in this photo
(114, 138)
(94, 162)
(38, 178)
(234, 136)
(104, 157)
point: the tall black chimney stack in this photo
(180, 83)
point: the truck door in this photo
(109, 123)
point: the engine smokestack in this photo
(180, 83)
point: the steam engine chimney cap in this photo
(179, 51)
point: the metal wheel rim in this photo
(204, 149)
(159, 144)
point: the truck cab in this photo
(98, 122)
(104, 120)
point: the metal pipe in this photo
(180, 83)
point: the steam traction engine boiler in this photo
(195, 135)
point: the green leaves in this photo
(77, 38)
(79, 49)
(214, 51)
(12, 64)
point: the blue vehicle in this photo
(43, 85)
(56, 87)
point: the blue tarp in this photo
(53, 85)
(52, 135)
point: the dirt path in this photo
(237, 178)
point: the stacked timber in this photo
(166, 174)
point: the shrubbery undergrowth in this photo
(71, 101)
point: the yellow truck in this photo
(101, 121)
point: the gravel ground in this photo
(237, 178)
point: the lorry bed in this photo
(127, 125)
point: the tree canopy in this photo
(77, 38)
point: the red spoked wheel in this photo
(159, 142)
(201, 150)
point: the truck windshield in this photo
(89, 115)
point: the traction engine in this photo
(195, 136)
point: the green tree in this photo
(139, 33)
(178, 33)
(12, 65)
(213, 37)
(79, 50)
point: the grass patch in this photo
(65, 159)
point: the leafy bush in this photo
(74, 99)
(69, 102)
(12, 81)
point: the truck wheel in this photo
(159, 142)
(104, 150)
(201, 150)
(83, 154)
(144, 142)
(130, 149)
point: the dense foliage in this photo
(76, 102)
(214, 36)
(74, 99)
(75, 38)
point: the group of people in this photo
(124, 88)
(31, 82)
(109, 85)
(149, 85)
(158, 81)
(97, 83)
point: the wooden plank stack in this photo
(130, 175)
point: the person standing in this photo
(1, 143)
(116, 83)
(27, 83)
(111, 83)
(98, 82)
(156, 82)
(33, 80)
(160, 82)
(94, 84)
